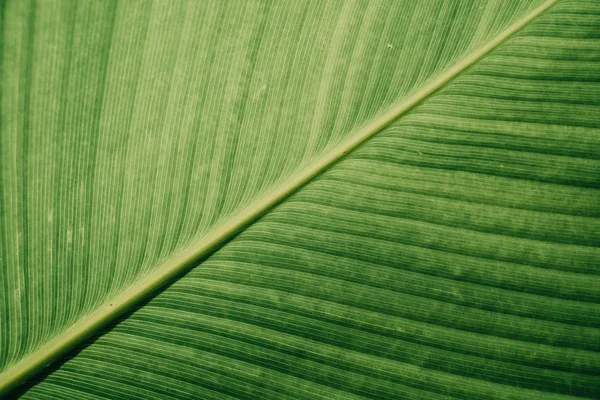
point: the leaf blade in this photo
(592, 182)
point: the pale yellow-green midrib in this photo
(184, 260)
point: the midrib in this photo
(183, 261)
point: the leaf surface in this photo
(453, 254)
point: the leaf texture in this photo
(454, 254)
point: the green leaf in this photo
(368, 200)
